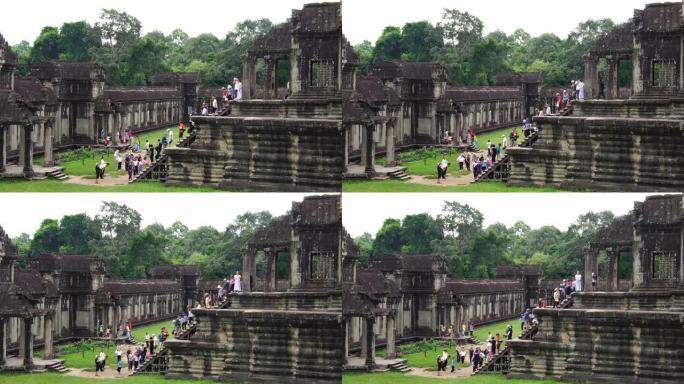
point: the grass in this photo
(82, 163)
(402, 186)
(398, 378)
(56, 378)
(86, 359)
(60, 186)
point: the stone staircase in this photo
(157, 364)
(57, 366)
(158, 171)
(500, 363)
(57, 174)
(400, 367)
(399, 174)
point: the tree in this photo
(365, 244)
(77, 41)
(47, 45)
(119, 225)
(46, 238)
(461, 29)
(419, 40)
(78, 234)
(461, 221)
(147, 57)
(388, 239)
(145, 252)
(23, 244)
(388, 46)
(119, 31)
(365, 52)
(419, 233)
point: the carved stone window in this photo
(664, 266)
(664, 73)
(322, 265)
(322, 74)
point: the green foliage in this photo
(473, 251)
(46, 239)
(365, 244)
(47, 45)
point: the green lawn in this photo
(56, 378)
(83, 163)
(482, 332)
(402, 186)
(60, 186)
(86, 359)
(398, 378)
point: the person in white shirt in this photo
(578, 282)
(238, 282)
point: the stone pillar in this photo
(271, 266)
(364, 339)
(389, 144)
(3, 147)
(346, 339)
(47, 338)
(248, 78)
(270, 90)
(28, 343)
(390, 338)
(369, 144)
(47, 144)
(589, 267)
(591, 78)
(21, 340)
(3, 342)
(370, 343)
(346, 128)
(613, 79)
(28, 151)
(612, 269)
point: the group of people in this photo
(452, 331)
(477, 355)
(444, 358)
(568, 286)
(228, 93)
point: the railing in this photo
(158, 363)
(159, 170)
(501, 170)
(500, 363)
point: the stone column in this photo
(370, 343)
(613, 79)
(21, 341)
(390, 338)
(612, 270)
(364, 339)
(270, 283)
(28, 344)
(389, 144)
(346, 339)
(3, 342)
(346, 128)
(47, 338)
(3, 147)
(370, 150)
(28, 151)
(47, 145)
(590, 78)
(589, 267)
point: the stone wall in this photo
(261, 346)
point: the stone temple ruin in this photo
(403, 104)
(290, 139)
(629, 336)
(631, 139)
(406, 297)
(286, 325)
(63, 297)
(63, 104)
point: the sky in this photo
(23, 213)
(217, 17)
(365, 19)
(365, 212)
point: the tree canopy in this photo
(129, 58)
(472, 58)
(130, 250)
(474, 251)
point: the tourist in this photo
(214, 104)
(442, 361)
(579, 86)
(129, 167)
(169, 133)
(136, 166)
(181, 130)
(509, 332)
(119, 365)
(593, 281)
(494, 153)
(467, 162)
(471, 327)
(476, 359)
(100, 170)
(541, 303)
(578, 282)
(442, 167)
(470, 354)
(237, 85)
(499, 340)
(556, 297)
(566, 98)
(504, 142)
(118, 159)
(461, 161)
(547, 110)
(151, 149)
(100, 362)
(454, 360)
(237, 282)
